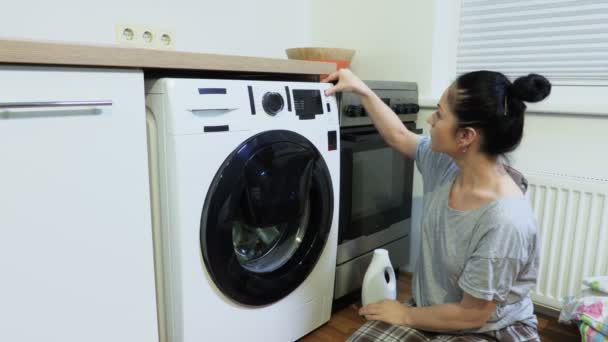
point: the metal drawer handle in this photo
(41, 104)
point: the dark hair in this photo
(487, 100)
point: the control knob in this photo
(354, 111)
(272, 103)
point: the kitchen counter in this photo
(70, 54)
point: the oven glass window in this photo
(377, 182)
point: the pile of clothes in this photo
(590, 310)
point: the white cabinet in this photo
(76, 255)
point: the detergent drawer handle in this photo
(206, 110)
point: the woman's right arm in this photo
(386, 121)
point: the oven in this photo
(375, 187)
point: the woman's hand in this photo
(389, 311)
(347, 81)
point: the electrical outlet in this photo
(127, 34)
(166, 39)
(144, 36)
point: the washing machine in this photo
(245, 179)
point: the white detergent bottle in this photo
(379, 281)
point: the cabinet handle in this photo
(41, 104)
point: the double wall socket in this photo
(145, 36)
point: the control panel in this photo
(401, 97)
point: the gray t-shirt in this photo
(490, 252)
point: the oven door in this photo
(376, 184)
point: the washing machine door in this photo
(266, 217)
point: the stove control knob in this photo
(272, 103)
(354, 111)
(351, 110)
(413, 108)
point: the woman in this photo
(479, 252)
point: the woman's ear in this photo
(467, 136)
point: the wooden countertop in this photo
(69, 54)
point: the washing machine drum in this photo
(266, 217)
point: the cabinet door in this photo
(76, 253)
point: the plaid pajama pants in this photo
(381, 331)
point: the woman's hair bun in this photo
(531, 88)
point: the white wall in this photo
(573, 145)
(242, 27)
(392, 38)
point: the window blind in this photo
(564, 40)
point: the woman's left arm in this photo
(470, 313)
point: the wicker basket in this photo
(320, 54)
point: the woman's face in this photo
(443, 127)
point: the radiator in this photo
(572, 217)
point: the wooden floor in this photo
(344, 322)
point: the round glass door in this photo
(266, 217)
